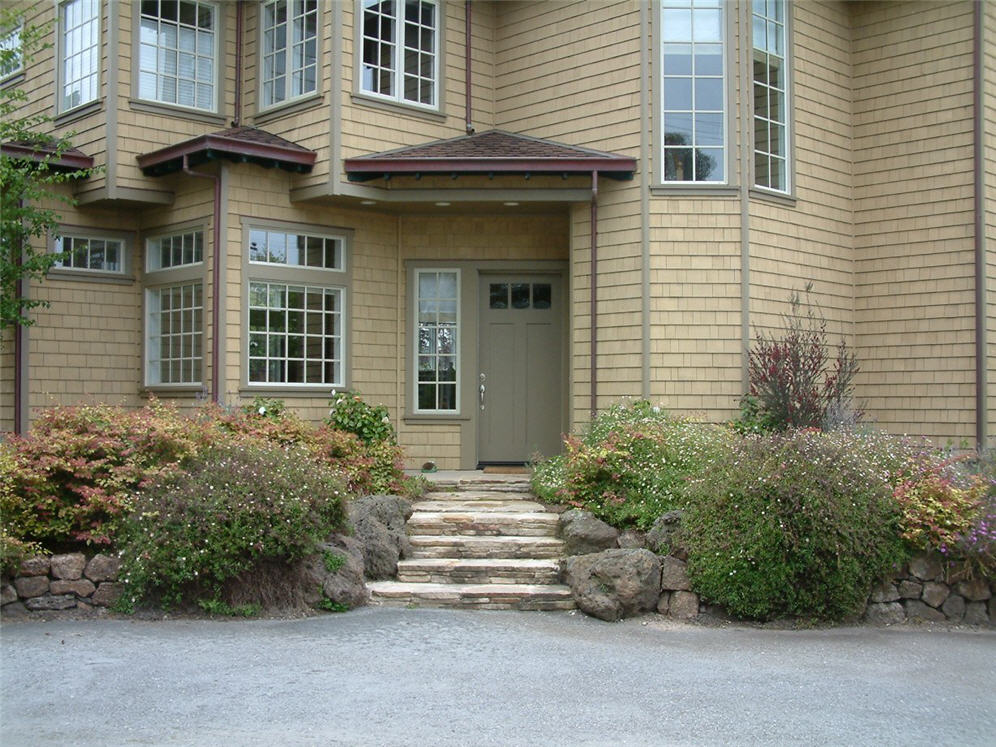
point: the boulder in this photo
(334, 575)
(378, 522)
(81, 587)
(8, 594)
(975, 614)
(884, 592)
(954, 607)
(664, 603)
(51, 602)
(102, 568)
(684, 605)
(934, 594)
(37, 566)
(613, 584)
(583, 533)
(910, 589)
(926, 567)
(917, 610)
(632, 539)
(674, 576)
(662, 535)
(974, 590)
(884, 613)
(68, 567)
(31, 586)
(107, 593)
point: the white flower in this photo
(262, 411)
(385, 419)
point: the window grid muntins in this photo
(91, 254)
(770, 90)
(295, 334)
(438, 329)
(80, 68)
(175, 334)
(694, 91)
(295, 250)
(402, 68)
(177, 53)
(167, 252)
(290, 49)
(10, 43)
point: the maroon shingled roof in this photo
(71, 159)
(240, 144)
(491, 152)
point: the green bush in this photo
(236, 505)
(630, 465)
(795, 524)
(372, 423)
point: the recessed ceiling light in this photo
(368, 202)
(443, 204)
(511, 204)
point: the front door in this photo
(520, 392)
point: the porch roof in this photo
(71, 159)
(238, 144)
(491, 152)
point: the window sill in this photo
(440, 418)
(778, 198)
(14, 79)
(79, 112)
(397, 107)
(285, 109)
(155, 107)
(196, 391)
(684, 190)
(311, 392)
(89, 276)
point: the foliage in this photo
(794, 382)
(795, 524)
(372, 423)
(330, 606)
(215, 606)
(26, 186)
(628, 466)
(13, 547)
(937, 512)
(75, 474)
(333, 561)
(264, 407)
(235, 506)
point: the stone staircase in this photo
(480, 542)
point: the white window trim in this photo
(457, 348)
(216, 56)
(399, 99)
(61, 59)
(125, 259)
(173, 282)
(290, 100)
(12, 37)
(789, 190)
(156, 271)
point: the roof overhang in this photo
(273, 152)
(68, 160)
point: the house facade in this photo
(499, 217)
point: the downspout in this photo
(237, 120)
(981, 333)
(19, 357)
(594, 294)
(215, 282)
(466, 52)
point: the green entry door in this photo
(520, 384)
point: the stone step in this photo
(476, 523)
(479, 571)
(473, 596)
(455, 546)
(482, 504)
(475, 486)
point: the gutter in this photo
(981, 332)
(594, 294)
(215, 282)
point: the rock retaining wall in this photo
(62, 582)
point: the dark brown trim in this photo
(208, 147)
(71, 160)
(239, 23)
(594, 294)
(466, 53)
(365, 168)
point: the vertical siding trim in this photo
(981, 333)
(335, 103)
(111, 101)
(21, 368)
(645, 200)
(744, 184)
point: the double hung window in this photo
(437, 300)
(79, 53)
(770, 95)
(400, 57)
(693, 90)
(290, 50)
(178, 52)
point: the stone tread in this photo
(481, 505)
(506, 523)
(479, 570)
(477, 596)
(464, 496)
(487, 546)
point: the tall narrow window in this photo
(437, 340)
(11, 59)
(79, 59)
(174, 328)
(290, 50)
(770, 95)
(693, 99)
(178, 52)
(400, 57)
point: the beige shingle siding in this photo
(913, 211)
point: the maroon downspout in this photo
(594, 294)
(237, 121)
(466, 51)
(18, 356)
(215, 281)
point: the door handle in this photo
(483, 377)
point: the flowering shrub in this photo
(235, 506)
(797, 524)
(630, 465)
(936, 511)
(794, 382)
(13, 548)
(372, 423)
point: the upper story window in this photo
(295, 250)
(79, 53)
(178, 52)
(180, 250)
(770, 95)
(400, 56)
(91, 254)
(693, 95)
(290, 50)
(11, 59)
